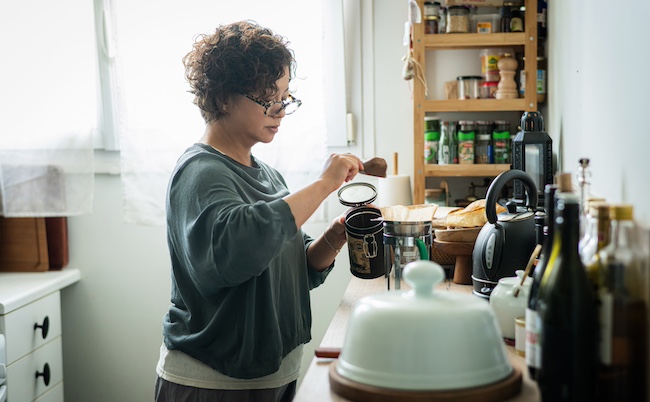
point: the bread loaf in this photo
(471, 216)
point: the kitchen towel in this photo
(394, 190)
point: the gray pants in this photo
(169, 392)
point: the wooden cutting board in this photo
(23, 245)
(355, 391)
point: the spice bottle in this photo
(484, 150)
(466, 138)
(501, 142)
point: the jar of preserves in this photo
(457, 19)
(466, 138)
(501, 142)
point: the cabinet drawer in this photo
(22, 383)
(53, 395)
(20, 326)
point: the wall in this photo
(112, 318)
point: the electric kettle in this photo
(506, 241)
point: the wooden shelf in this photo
(525, 42)
(469, 41)
(479, 170)
(474, 105)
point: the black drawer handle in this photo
(45, 327)
(45, 374)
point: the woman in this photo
(241, 266)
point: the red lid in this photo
(490, 83)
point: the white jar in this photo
(507, 307)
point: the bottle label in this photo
(541, 81)
(605, 312)
(533, 349)
(444, 158)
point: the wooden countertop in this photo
(315, 385)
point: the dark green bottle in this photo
(568, 310)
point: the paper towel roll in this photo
(394, 190)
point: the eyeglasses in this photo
(273, 108)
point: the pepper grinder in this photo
(507, 88)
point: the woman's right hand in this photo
(341, 168)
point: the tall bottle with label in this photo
(447, 149)
(623, 371)
(533, 325)
(567, 306)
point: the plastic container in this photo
(457, 19)
(489, 60)
(489, 89)
(486, 23)
(469, 86)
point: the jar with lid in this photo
(501, 142)
(466, 138)
(469, 86)
(431, 17)
(457, 19)
(431, 139)
(484, 150)
(447, 150)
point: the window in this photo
(112, 78)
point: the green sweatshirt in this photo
(240, 280)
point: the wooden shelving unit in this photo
(425, 43)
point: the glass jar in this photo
(501, 141)
(431, 17)
(457, 19)
(436, 196)
(469, 86)
(466, 138)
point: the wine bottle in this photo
(623, 371)
(533, 350)
(567, 307)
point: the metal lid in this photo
(357, 194)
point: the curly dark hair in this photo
(241, 57)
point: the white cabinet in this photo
(30, 319)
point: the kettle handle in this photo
(495, 189)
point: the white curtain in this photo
(157, 120)
(48, 107)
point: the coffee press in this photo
(404, 242)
